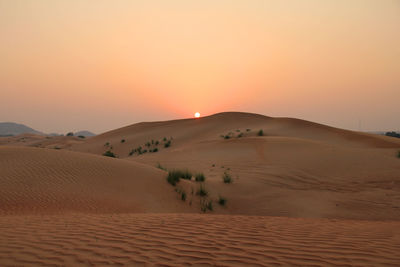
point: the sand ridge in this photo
(195, 240)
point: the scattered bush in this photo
(175, 175)
(108, 153)
(260, 133)
(227, 178)
(70, 134)
(221, 201)
(393, 134)
(154, 150)
(200, 177)
(227, 137)
(81, 136)
(248, 130)
(398, 155)
(183, 196)
(240, 135)
(202, 191)
(161, 167)
(209, 205)
(238, 131)
(148, 144)
(213, 165)
(157, 142)
(123, 141)
(132, 152)
(167, 144)
(165, 139)
(107, 144)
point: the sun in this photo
(197, 114)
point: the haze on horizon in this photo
(99, 65)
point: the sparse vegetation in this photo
(200, 177)
(175, 175)
(161, 167)
(227, 178)
(183, 196)
(393, 134)
(81, 136)
(213, 165)
(202, 191)
(240, 135)
(248, 130)
(209, 205)
(123, 141)
(70, 134)
(260, 133)
(221, 201)
(109, 153)
(398, 154)
(165, 139)
(107, 144)
(167, 144)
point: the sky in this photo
(99, 65)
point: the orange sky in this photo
(99, 65)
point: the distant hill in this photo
(84, 133)
(11, 128)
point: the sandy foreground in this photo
(302, 194)
(195, 239)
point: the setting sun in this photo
(197, 115)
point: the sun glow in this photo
(197, 115)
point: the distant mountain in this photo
(11, 128)
(84, 133)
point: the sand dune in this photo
(321, 196)
(195, 240)
(34, 180)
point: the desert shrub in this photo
(132, 152)
(108, 153)
(81, 136)
(248, 130)
(144, 151)
(227, 137)
(167, 144)
(123, 141)
(221, 201)
(240, 135)
(202, 191)
(148, 144)
(107, 144)
(165, 139)
(70, 134)
(161, 167)
(157, 142)
(213, 165)
(183, 196)
(200, 177)
(175, 175)
(209, 205)
(260, 133)
(227, 178)
(398, 154)
(393, 134)
(155, 150)
(238, 131)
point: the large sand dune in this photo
(336, 193)
(34, 180)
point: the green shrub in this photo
(155, 150)
(107, 144)
(108, 153)
(167, 144)
(161, 167)
(227, 137)
(183, 196)
(240, 135)
(202, 191)
(132, 152)
(70, 134)
(209, 205)
(227, 178)
(148, 144)
(157, 142)
(81, 136)
(165, 139)
(200, 177)
(123, 141)
(221, 201)
(175, 175)
(260, 133)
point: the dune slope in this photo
(35, 180)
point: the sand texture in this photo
(302, 194)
